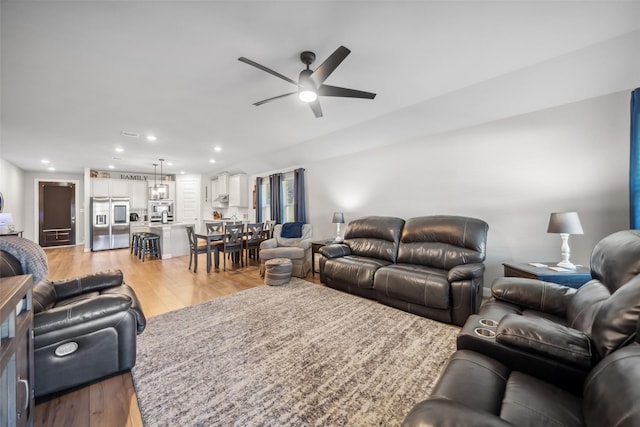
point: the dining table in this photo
(211, 238)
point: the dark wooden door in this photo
(57, 213)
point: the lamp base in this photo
(566, 264)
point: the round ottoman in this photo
(277, 271)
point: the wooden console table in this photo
(574, 278)
(16, 351)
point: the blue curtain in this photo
(634, 157)
(259, 199)
(300, 210)
(275, 184)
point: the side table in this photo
(573, 278)
(315, 247)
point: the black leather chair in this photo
(477, 390)
(85, 327)
(556, 332)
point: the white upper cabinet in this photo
(238, 191)
(223, 183)
(100, 187)
(138, 194)
(120, 188)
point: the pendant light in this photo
(154, 189)
(163, 189)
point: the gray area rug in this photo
(294, 355)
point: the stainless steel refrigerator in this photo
(109, 223)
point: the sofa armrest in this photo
(535, 294)
(79, 312)
(546, 338)
(335, 250)
(67, 288)
(466, 272)
(305, 244)
(438, 412)
(269, 244)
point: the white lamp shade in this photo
(565, 223)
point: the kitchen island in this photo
(173, 236)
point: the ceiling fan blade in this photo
(326, 90)
(264, 101)
(329, 65)
(315, 107)
(268, 70)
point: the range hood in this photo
(224, 198)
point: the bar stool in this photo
(135, 242)
(149, 245)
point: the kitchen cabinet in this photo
(120, 188)
(16, 351)
(138, 194)
(100, 187)
(214, 195)
(223, 183)
(238, 191)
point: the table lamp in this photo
(565, 223)
(338, 218)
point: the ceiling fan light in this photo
(307, 95)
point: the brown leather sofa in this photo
(85, 327)
(432, 266)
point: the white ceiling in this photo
(75, 74)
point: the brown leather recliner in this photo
(85, 327)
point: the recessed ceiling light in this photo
(217, 148)
(151, 138)
(212, 161)
(169, 164)
(51, 168)
(111, 167)
(45, 161)
(182, 172)
(119, 149)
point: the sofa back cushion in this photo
(616, 259)
(616, 322)
(374, 237)
(443, 241)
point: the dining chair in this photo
(216, 227)
(232, 244)
(195, 249)
(253, 237)
(268, 228)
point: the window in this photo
(287, 195)
(265, 201)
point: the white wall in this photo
(12, 189)
(512, 173)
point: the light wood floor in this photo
(161, 286)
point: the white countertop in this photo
(158, 224)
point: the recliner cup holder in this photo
(489, 322)
(484, 332)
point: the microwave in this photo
(157, 208)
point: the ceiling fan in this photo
(311, 82)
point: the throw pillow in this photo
(292, 230)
